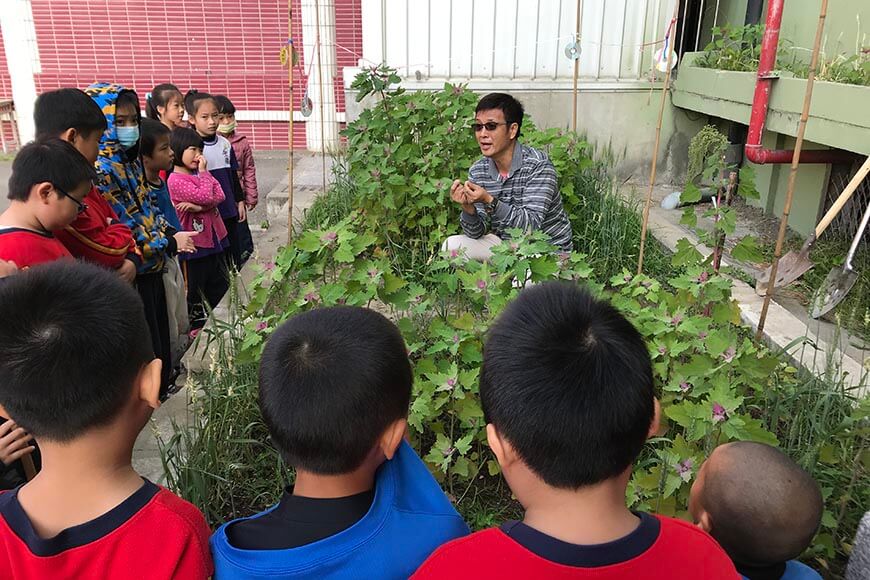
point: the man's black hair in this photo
(765, 509)
(55, 161)
(193, 99)
(130, 99)
(73, 340)
(57, 111)
(224, 105)
(159, 97)
(150, 132)
(181, 139)
(331, 381)
(568, 382)
(507, 104)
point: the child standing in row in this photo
(247, 169)
(166, 104)
(222, 164)
(197, 195)
(157, 160)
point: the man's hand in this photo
(14, 442)
(127, 271)
(187, 206)
(7, 268)
(243, 213)
(459, 194)
(184, 240)
(476, 194)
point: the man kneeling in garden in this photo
(513, 186)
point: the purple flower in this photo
(719, 413)
(662, 350)
(376, 174)
(449, 451)
(684, 469)
(455, 338)
(269, 266)
(514, 246)
(311, 297)
(646, 284)
(728, 355)
(702, 335)
(329, 237)
(703, 277)
(627, 277)
(451, 383)
(481, 284)
(685, 387)
(457, 90)
(373, 273)
(678, 318)
(454, 253)
(262, 325)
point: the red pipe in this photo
(753, 151)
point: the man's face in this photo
(499, 138)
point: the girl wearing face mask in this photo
(121, 181)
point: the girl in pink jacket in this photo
(196, 195)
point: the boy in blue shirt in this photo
(335, 385)
(761, 507)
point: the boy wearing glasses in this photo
(513, 186)
(48, 183)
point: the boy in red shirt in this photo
(96, 235)
(78, 372)
(567, 392)
(48, 183)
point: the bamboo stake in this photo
(576, 63)
(322, 95)
(792, 176)
(655, 159)
(291, 53)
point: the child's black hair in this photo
(765, 509)
(192, 100)
(54, 161)
(130, 99)
(331, 381)
(57, 111)
(73, 338)
(181, 139)
(150, 131)
(568, 382)
(507, 104)
(224, 105)
(159, 97)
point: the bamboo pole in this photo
(576, 62)
(792, 176)
(290, 54)
(655, 159)
(322, 95)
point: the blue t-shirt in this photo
(164, 203)
(795, 570)
(409, 518)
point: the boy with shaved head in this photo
(761, 507)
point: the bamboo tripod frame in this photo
(291, 52)
(792, 176)
(576, 63)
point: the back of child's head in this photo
(193, 99)
(57, 111)
(332, 381)
(224, 105)
(151, 132)
(567, 381)
(762, 506)
(159, 97)
(52, 161)
(73, 340)
(182, 139)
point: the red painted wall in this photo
(226, 47)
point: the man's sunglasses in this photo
(81, 207)
(490, 126)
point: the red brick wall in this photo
(140, 43)
(5, 94)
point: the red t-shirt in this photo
(671, 549)
(153, 534)
(28, 248)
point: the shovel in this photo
(794, 264)
(840, 280)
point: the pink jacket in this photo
(247, 171)
(204, 190)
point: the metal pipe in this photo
(761, 100)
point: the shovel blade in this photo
(838, 283)
(791, 267)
